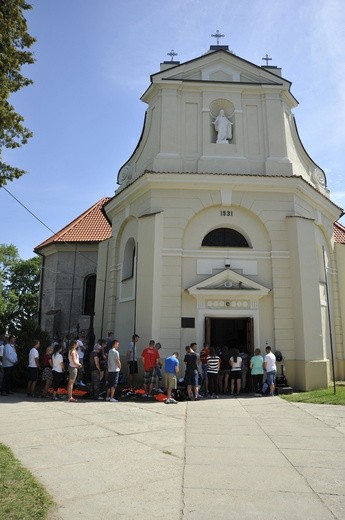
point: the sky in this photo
(93, 63)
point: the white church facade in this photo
(222, 227)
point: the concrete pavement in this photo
(245, 458)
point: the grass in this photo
(22, 497)
(322, 396)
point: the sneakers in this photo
(107, 398)
(112, 400)
(100, 399)
(170, 401)
(72, 400)
(80, 383)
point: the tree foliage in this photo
(14, 44)
(19, 289)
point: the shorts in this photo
(57, 379)
(271, 377)
(170, 381)
(133, 367)
(47, 374)
(235, 374)
(33, 373)
(192, 378)
(72, 373)
(113, 379)
(150, 376)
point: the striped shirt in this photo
(213, 364)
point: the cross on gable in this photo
(172, 53)
(267, 59)
(217, 35)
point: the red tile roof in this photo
(339, 232)
(91, 226)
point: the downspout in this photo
(72, 293)
(43, 261)
(105, 286)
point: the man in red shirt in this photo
(150, 357)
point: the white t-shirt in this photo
(80, 350)
(113, 358)
(57, 360)
(236, 365)
(33, 355)
(270, 361)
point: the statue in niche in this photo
(223, 127)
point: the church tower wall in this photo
(220, 156)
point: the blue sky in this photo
(94, 60)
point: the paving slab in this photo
(240, 458)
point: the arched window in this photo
(128, 260)
(89, 295)
(224, 237)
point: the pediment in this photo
(227, 284)
(220, 66)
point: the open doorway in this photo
(233, 332)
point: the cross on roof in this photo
(217, 35)
(172, 53)
(267, 59)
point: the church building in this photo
(221, 230)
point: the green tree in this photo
(14, 44)
(19, 288)
(8, 256)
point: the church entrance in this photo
(233, 332)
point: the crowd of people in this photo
(206, 374)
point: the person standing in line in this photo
(191, 376)
(257, 371)
(2, 345)
(244, 369)
(194, 348)
(58, 368)
(110, 340)
(95, 370)
(132, 361)
(205, 352)
(47, 374)
(9, 359)
(235, 374)
(271, 369)
(114, 367)
(213, 365)
(171, 368)
(103, 360)
(159, 376)
(81, 354)
(33, 368)
(150, 357)
(224, 370)
(73, 367)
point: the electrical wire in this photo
(46, 226)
